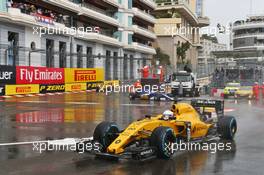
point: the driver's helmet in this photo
(167, 115)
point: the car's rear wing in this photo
(218, 105)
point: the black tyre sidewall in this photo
(158, 139)
(102, 133)
(226, 126)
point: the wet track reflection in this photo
(76, 116)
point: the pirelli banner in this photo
(22, 89)
(83, 75)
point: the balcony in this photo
(99, 38)
(143, 15)
(149, 3)
(182, 7)
(112, 2)
(14, 15)
(203, 21)
(66, 4)
(248, 25)
(145, 32)
(88, 11)
(94, 14)
(141, 48)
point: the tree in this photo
(163, 58)
(181, 50)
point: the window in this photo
(131, 67)
(125, 71)
(13, 49)
(89, 57)
(108, 65)
(115, 65)
(49, 53)
(62, 54)
(130, 39)
(130, 21)
(130, 4)
(79, 56)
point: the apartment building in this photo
(206, 61)
(248, 34)
(179, 21)
(114, 34)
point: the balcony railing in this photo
(143, 31)
(144, 15)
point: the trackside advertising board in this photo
(44, 88)
(83, 75)
(2, 89)
(22, 89)
(7, 75)
(39, 75)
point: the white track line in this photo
(65, 141)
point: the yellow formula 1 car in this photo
(150, 137)
(244, 92)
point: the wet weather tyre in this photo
(105, 133)
(162, 138)
(227, 127)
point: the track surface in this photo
(76, 115)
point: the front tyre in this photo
(105, 133)
(162, 138)
(227, 127)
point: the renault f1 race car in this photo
(149, 137)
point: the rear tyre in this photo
(105, 133)
(162, 138)
(227, 127)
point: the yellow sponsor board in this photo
(71, 87)
(22, 89)
(83, 75)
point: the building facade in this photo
(248, 34)
(179, 23)
(206, 62)
(114, 34)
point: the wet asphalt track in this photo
(76, 115)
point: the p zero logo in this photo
(84, 75)
(52, 88)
